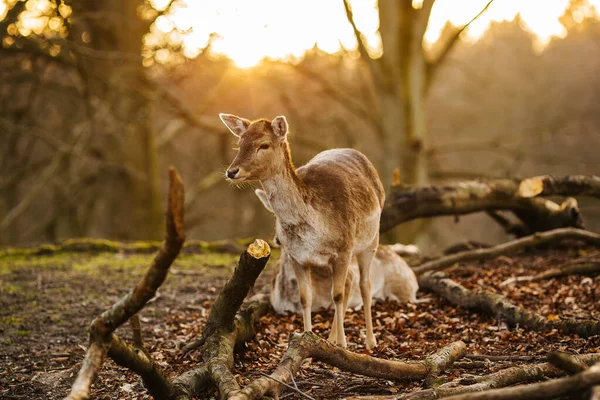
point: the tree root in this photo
(496, 305)
(526, 242)
(309, 345)
(462, 388)
(405, 203)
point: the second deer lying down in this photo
(327, 211)
(391, 279)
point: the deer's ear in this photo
(236, 125)
(280, 126)
(262, 196)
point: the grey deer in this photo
(327, 211)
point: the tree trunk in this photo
(108, 53)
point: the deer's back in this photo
(343, 180)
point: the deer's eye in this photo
(264, 146)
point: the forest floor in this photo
(48, 301)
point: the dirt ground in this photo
(47, 302)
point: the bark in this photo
(503, 378)
(496, 305)
(405, 203)
(309, 345)
(570, 185)
(103, 326)
(534, 240)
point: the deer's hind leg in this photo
(364, 265)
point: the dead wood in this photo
(405, 203)
(526, 242)
(309, 345)
(552, 389)
(103, 326)
(496, 305)
(575, 268)
(566, 362)
(570, 185)
(484, 384)
(227, 328)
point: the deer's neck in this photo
(287, 193)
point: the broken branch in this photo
(570, 185)
(526, 242)
(101, 329)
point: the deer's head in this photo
(262, 147)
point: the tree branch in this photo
(101, 329)
(526, 242)
(434, 65)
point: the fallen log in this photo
(405, 203)
(88, 245)
(496, 305)
(526, 242)
(570, 185)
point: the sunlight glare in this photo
(248, 32)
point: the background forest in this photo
(96, 102)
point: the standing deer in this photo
(391, 279)
(327, 211)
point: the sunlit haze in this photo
(248, 31)
(285, 29)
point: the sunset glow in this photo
(285, 29)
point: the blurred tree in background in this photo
(95, 101)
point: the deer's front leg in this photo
(304, 287)
(347, 290)
(340, 270)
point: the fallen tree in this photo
(497, 305)
(535, 214)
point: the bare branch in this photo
(434, 65)
(536, 239)
(364, 54)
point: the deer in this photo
(327, 211)
(391, 278)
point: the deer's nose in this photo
(231, 173)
